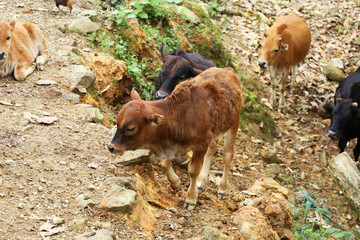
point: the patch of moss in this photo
(255, 118)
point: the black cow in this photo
(345, 120)
(178, 66)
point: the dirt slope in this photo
(43, 168)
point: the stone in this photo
(297, 5)
(133, 157)
(126, 182)
(270, 156)
(263, 185)
(211, 233)
(95, 2)
(118, 199)
(92, 14)
(83, 25)
(102, 234)
(189, 15)
(95, 115)
(316, 168)
(337, 63)
(78, 223)
(252, 225)
(333, 73)
(262, 18)
(84, 201)
(322, 157)
(357, 41)
(73, 97)
(274, 168)
(80, 76)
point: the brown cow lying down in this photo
(198, 112)
(20, 45)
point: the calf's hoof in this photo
(200, 189)
(189, 206)
(176, 186)
(40, 67)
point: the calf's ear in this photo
(163, 52)
(134, 94)
(156, 118)
(284, 47)
(12, 23)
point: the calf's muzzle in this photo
(332, 134)
(261, 63)
(111, 148)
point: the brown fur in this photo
(292, 49)
(198, 112)
(22, 44)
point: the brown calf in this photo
(198, 112)
(285, 45)
(20, 45)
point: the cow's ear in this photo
(156, 118)
(12, 23)
(163, 52)
(284, 47)
(134, 94)
(197, 71)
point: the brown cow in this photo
(198, 112)
(285, 45)
(20, 45)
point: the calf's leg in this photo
(206, 165)
(171, 175)
(357, 150)
(282, 89)
(194, 170)
(273, 88)
(22, 70)
(229, 140)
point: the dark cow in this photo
(193, 117)
(345, 120)
(178, 66)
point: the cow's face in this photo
(135, 126)
(174, 70)
(5, 38)
(272, 46)
(341, 121)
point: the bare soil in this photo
(45, 167)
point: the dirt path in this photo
(43, 168)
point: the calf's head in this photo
(136, 126)
(6, 30)
(342, 119)
(272, 46)
(174, 70)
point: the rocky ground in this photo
(48, 169)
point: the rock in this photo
(322, 157)
(333, 73)
(93, 165)
(337, 63)
(46, 82)
(80, 76)
(95, 2)
(95, 115)
(357, 41)
(297, 5)
(126, 182)
(274, 168)
(316, 168)
(113, 81)
(72, 97)
(83, 25)
(92, 14)
(133, 157)
(262, 18)
(252, 225)
(270, 156)
(78, 224)
(118, 199)
(273, 204)
(211, 233)
(84, 201)
(189, 15)
(102, 234)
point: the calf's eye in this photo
(276, 50)
(8, 38)
(130, 129)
